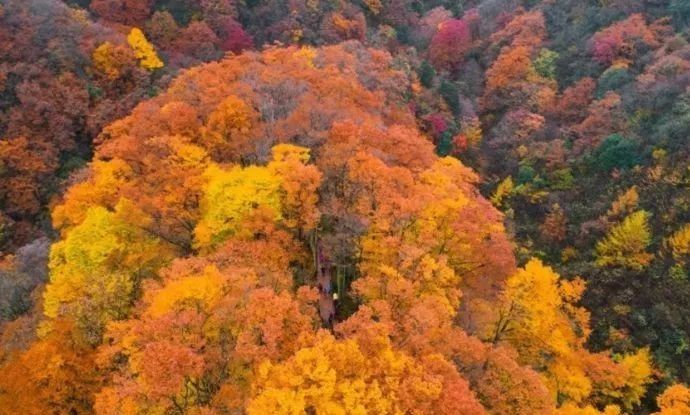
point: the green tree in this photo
(616, 152)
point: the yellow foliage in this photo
(107, 177)
(626, 242)
(284, 191)
(337, 378)
(96, 266)
(536, 302)
(203, 290)
(568, 253)
(297, 35)
(625, 203)
(570, 409)
(104, 60)
(540, 326)
(230, 196)
(189, 155)
(679, 244)
(504, 189)
(472, 130)
(543, 322)
(143, 50)
(638, 368)
(307, 54)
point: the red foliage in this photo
(22, 171)
(129, 12)
(438, 124)
(450, 43)
(618, 41)
(459, 144)
(198, 41)
(233, 36)
(572, 105)
(605, 48)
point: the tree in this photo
(617, 152)
(54, 374)
(542, 321)
(299, 187)
(111, 60)
(233, 36)
(574, 101)
(626, 243)
(426, 74)
(545, 63)
(625, 204)
(679, 244)
(504, 189)
(162, 29)
(511, 65)
(95, 269)
(143, 50)
(448, 46)
(618, 40)
(338, 377)
(202, 333)
(512, 81)
(525, 29)
(341, 26)
(232, 197)
(680, 9)
(198, 42)
(228, 132)
(22, 171)
(505, 387)
(605, 117)
(554, 227)
(675, 400)
(129, 12)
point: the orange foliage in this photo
(526, 29)
(54, 375)
(22, 170)
(190, 255)
(617, 42)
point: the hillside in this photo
(386, 207)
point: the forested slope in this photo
(344, 207)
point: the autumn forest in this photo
(345, 207)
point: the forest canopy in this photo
(378, 207)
